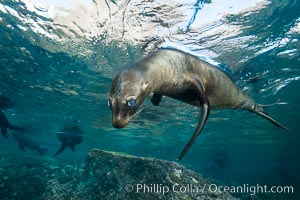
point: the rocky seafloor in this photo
(104, 175)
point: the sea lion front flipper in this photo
(72, 147)
(156, 98)
(205, 109)
(4, 132)
(61, 149)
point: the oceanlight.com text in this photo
(251, 189)
(211, 188)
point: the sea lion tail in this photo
(273, 121)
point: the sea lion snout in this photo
(119, 123)
(121, 115)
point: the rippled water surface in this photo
(58, 59)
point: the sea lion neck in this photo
(146, 69)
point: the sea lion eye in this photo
(131, 102)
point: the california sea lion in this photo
(28, 142)
(181, 76)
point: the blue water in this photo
(58, 60)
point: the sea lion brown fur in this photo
(179, 75)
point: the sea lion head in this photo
(128, 91)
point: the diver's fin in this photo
(273, 121)
(16, 128)
(72, 147)
(205, 109)
(156, 98)
(4, 132)
(42, 151)
(21, 146)
(61, 149)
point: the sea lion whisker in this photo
(135, 114)
(278, 102)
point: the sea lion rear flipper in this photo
(61, 149)
(72, 147)
(156, 98)
(205, 109)
(273, 121)
(4, 132)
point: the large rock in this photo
(110, 175)
(104, 176)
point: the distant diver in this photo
(181, 76)
(26, 141)
(5, 103)
(69, 136)
(4, 125)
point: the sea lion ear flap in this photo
(145, 85)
